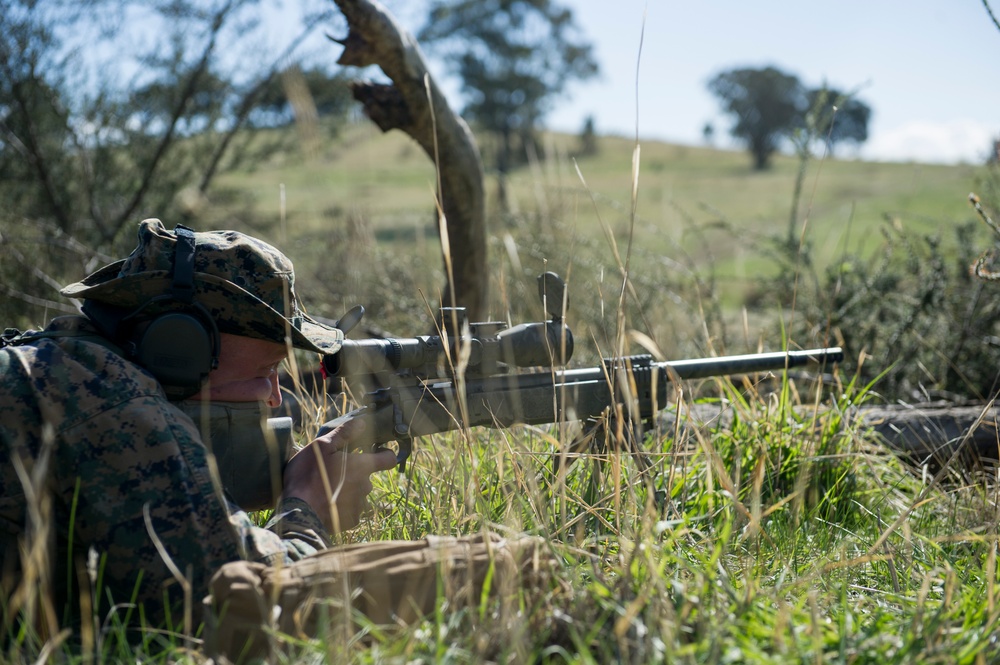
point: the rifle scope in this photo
(491, 346)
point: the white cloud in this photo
(950, 142)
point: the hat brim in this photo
(224, 301)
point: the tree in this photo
(588, 138)
(95, 134)
(90, 149)
(708, 133)
(767, 106)
(839, 116)
(770, 106)
(514, 59)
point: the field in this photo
(708, 234)
(781, 534)
(786, 536)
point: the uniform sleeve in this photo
(144, 493)
(133, 504)
(131, 487)
(294, 529)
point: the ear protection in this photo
(172, 336)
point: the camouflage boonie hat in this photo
(246, 285)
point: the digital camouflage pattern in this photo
(107, 497)
(110, 448)
(246, 285)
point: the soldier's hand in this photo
(333, 480)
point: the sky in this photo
(929, 69)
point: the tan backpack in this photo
(387, 583)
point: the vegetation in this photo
(95, 130)
(780, 534)
(769, 106)
(514, 58)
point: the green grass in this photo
(699, 208)
(390, 180)
(783, 535)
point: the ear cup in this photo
(179, 348)
(174, 337)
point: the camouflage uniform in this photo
(121, 469)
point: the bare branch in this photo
(990, 12)
(218, 20)
(246, 106)
(41, 302)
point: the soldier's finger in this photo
(345, 436)
(381, 460)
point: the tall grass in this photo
(782, 536)
(775, 531)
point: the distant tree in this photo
(588, 138)
(514, 58)
(708, 133)
(838, 117)
(770, 106)
(766, 104)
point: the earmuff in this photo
(173, 337)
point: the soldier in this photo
(107, 485)
(111, 501)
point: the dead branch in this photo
(413, 103)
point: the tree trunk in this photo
(414, 104)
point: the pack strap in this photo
(10, 337)
(14, 337)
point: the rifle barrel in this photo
(754, 362)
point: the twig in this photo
(992, 16)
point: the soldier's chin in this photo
(249, 390)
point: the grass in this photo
(701, 213)
(390, 181)
(780, 534)
(784, 536)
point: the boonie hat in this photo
(246, 285)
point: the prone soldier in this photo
(110, 480)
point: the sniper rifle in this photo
(491, 375)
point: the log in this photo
(924, 434)
(932, 433)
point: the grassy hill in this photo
(785, 534)
(783, 537)
(387, 178)
(702, 217)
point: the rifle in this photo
(490, 375)
(467, 376)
